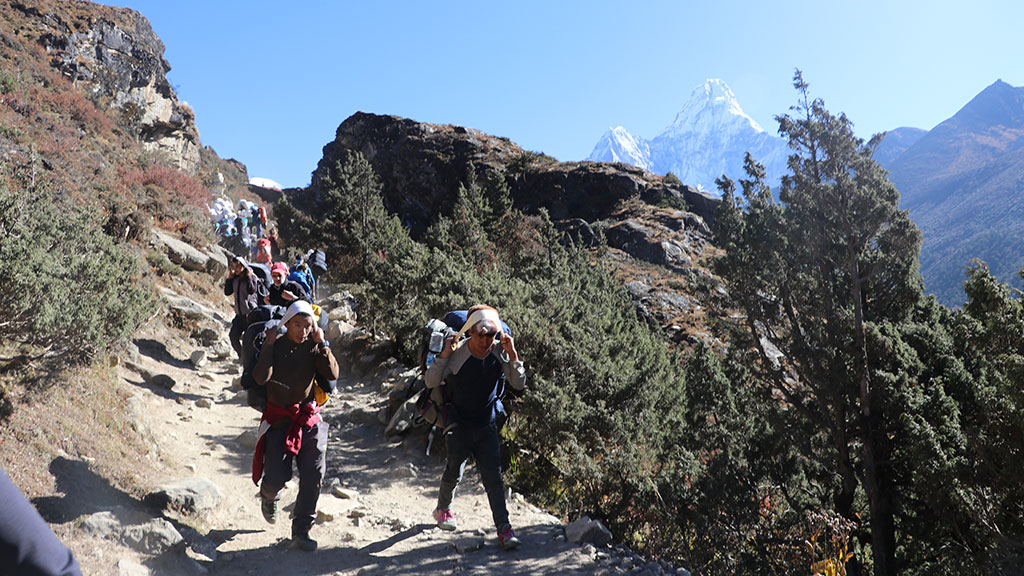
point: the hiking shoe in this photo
(269, 509)
(508, 539)
(302, 541)
(445, 520)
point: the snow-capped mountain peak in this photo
(711, 104)
(618, 145)
(708, 138)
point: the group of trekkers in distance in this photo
(245, 228)
(289, 372)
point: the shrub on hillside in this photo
(173, 198)
(66, 293)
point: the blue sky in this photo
(271, 85)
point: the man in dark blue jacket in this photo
(474, 368)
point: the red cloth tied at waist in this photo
(300, 416)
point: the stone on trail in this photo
(587, 530)
(345, 493)
(100, 525)
(189, 495)
(198, 358)
(163, 381)
(126, 567)
(155, 537)
(466, 545)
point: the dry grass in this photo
(79, 415)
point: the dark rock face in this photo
(117, 56)
(422, 165)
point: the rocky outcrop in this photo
(114, 55)
(422, 165)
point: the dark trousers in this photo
(238, 326)
(484, 445)
(312, 464)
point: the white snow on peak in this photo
(264, 183)
(618, 145)
(708, 138)
(711, 103)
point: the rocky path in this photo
(374, 510)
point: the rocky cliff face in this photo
(114, 55)
(654, 244)
(421, 167)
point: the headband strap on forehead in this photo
(481, 315)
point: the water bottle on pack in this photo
(434, 346)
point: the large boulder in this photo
(181, 253)
(189, 495)
(586, 530)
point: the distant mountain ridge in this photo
(709, 137)
(963, 182)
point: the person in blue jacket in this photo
(27, 545)
(474, 368)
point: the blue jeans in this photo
(484, 445)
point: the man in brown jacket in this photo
(291, 427)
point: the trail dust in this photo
(202, 427)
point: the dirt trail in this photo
(204, 428)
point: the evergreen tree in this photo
(814, 276)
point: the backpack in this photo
(303, 280)
(262, 272)
(318, 262)
(434, 405)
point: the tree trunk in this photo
(883, 539)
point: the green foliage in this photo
(604, 393)
(64, 292)
(672, 180)
(159, 262)
(887, 411)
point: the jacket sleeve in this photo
(515, 374)
(27, 544)
(229, 286)
(297, 289)
(326, 363)
(437, 372)
(264, 369)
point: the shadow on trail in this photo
(383, 545)
(282, 558)
(161, 391)
(434, 556)
(85, 492)
(158, 351)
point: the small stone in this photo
(198, 358)
(464, 545)
(344, 493)
(357, 513)
(204, 403)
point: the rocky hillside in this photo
(657, 231)
(113, 56)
